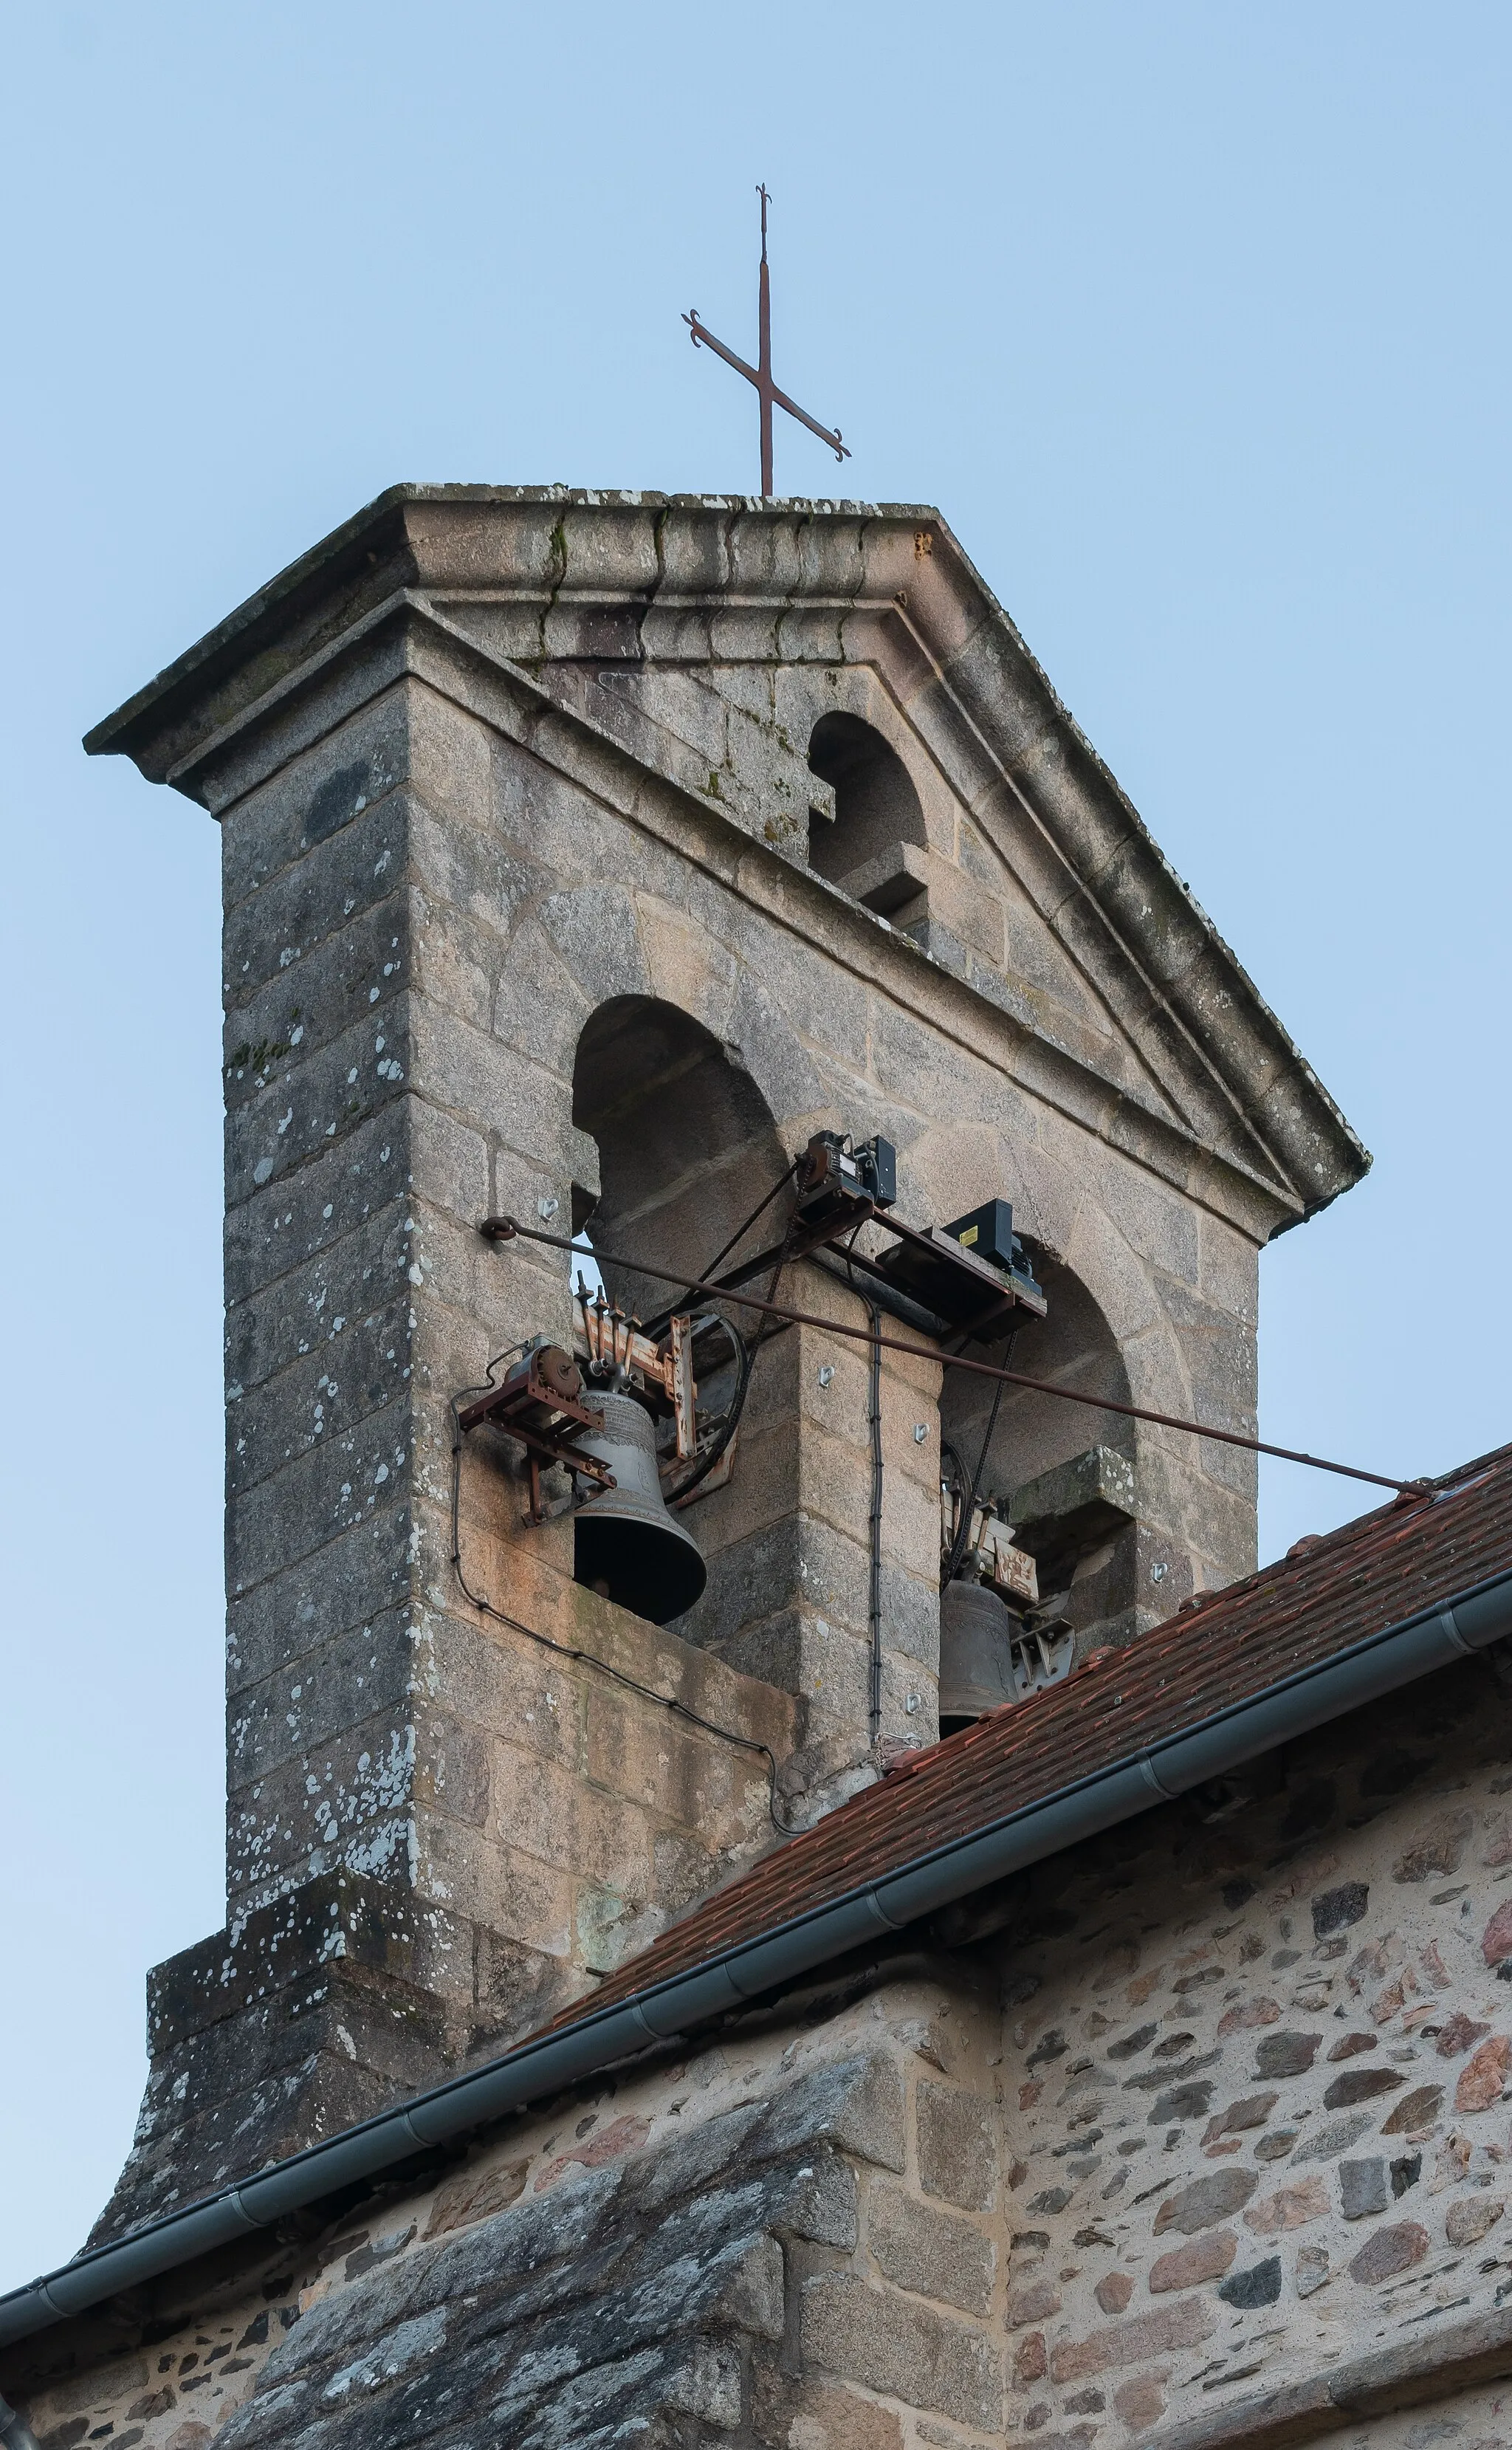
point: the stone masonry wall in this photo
(351, 1331)
(434, 878)
(1231, 2159)
(527, 1821)
(1257, 2049)
(792, 2241)
(324, 2005)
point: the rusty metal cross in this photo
(760, 374)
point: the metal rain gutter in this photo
(1435, 1638)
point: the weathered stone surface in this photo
(1206, 2201)
(826, 2415)
(1458, 2035)
(857, 2105)
(1337, 1907)
(1416, 2109)
(1289, 2208)
(1436, 1850)
(1031, 2361)
(1034, 2303)
(1389, 2251)
(1051, 2199)
(1140, 2403)
(1496, 1941)
(1482, 2076)
(957, 2147)
(1131, 2044)
(1334, 2137)
(935, 2255)
(1468, 2220)
(1259, 2285)
(1249, 2013)
(476, 2195)
(1181, 2100)
(1360, 2083)
(1363, 2188)
(1282, 2054)
(1252, 2111)
(652, 2264)
(1351, 2046)
(1179, 2326)
(1205, 2258)
(1406, 2172)
(889, 2343)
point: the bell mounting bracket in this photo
(539, 1402)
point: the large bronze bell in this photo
(629, 1547)
(976, 1658)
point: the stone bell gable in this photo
(584, 855)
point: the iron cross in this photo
(760, 374)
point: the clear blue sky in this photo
(1193, 321)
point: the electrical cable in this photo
(739, 1235)
(954, 1454)
(508, 1229)
(586, 1657)
(748, 1350)
(505, 1229)
(730, 1423)
(875, 1528)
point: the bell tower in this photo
(589, 860)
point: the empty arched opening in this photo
(877, 819)
(1060, 1472)
(686, 1147)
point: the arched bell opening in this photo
(874, 848)
(1061, 1475)
(686, 1148)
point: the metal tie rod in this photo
(507, 1229)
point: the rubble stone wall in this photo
(1257, 2049)
(792, 2238)
(1200, 2134)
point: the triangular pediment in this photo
(701, 639)
(979, 888)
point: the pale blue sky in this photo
(1192, 320)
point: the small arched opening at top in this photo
(874, 847)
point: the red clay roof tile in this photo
(1215, 1650)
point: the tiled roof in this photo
(1216, 1650)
